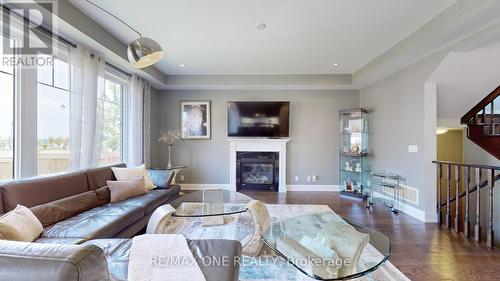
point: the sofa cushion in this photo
(61, 209)
(123, 189)
(69, 241)
(20, 224)
(161, 178)
(101, 222)
(1, 197)
(117, 252)
(154, 198)
(122, 174)
(22, 261)
(41, 190)
(97, 177)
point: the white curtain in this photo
(86, 110)
(139, 96)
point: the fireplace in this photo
(257, 170)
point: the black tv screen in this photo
(258, 119)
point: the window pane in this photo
(44, 71)
(6, 125)
(53, 130)
(61, 74)
(112, 125)
(5, 67)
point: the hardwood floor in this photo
(421, 251)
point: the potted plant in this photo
(169, 138)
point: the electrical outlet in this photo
(308, 178)
(182, 177)
(296, 178)
(315, 178)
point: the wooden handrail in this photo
(480, 106)
(467, 165)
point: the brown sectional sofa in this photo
(76, 204)
(83, 232)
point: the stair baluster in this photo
(491, 185)
(448, 186)
(440, 178)
(467, 210)
(457, 191)
(477, 226)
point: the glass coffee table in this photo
(351, 259)
(210, 203)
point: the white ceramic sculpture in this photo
(262, 223)
(160, 219)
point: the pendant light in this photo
(143, 51)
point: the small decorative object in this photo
(358, 168)
(262, 222)
(345, 149)
(348, 166)
(348, 186)
(195, 119)
(355, 149)
(169, 137)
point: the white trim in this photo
(313, 187)
(258, 144)
(405, 208)
(201, 186)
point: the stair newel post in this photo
(477, 226)
(492, 119)
(457, 197)
(448, 187)
(467, 206)
(439, 178)
(491, 185)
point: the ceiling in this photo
(301, 36)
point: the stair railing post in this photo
(467, 210)
(477, 226)
(492, 121)
(457, 197)
(448, 186)
(439, 178)
(491, 185)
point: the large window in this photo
(112, 127)
(6, 119)
(53, 117)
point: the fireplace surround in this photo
(277, 145)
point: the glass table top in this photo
(306, 241)
(210, 202)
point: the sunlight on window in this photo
(6, 119)
(53, 118)
(111, 151)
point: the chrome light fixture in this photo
(143, 51)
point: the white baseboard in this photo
(200, 186)
(309, 187)
(312, 187)
(407, 209)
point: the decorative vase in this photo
(169, 165)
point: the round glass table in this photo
(305, 242)
(209, 203)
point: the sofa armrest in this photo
(58, 262)
(161, 178)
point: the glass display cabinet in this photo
(353, 151)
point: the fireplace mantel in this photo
(258, 144)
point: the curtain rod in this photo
(64, 40)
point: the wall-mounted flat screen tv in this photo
(258, 119)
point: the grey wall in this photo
(314, 132)
(396, 106)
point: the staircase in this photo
(483, 123)
(458, 201)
